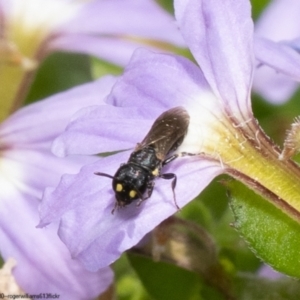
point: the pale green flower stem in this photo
(246, 153)
(15, 81)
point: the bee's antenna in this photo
(104, 174)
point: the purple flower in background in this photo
(267, 272)
(109, 29)
(279, 23)
(222, 129)
(27, 166)
(115, 28)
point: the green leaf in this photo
(182, 243)
(211, 211)
(258, 6)
(128, 286)
(208, 208)
(165, 281)
(101, 68)
(249, 287)
(271, 234)
(59, 72)
(167, 5)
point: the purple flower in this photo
(115, 28)
(279, 23)
(222, 131)
(267, 272)
(27, 166)
(108, 29)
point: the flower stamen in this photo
(10, 55)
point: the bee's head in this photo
(129, 183)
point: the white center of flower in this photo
(8, 283)
(205, 113)
(30, 22)
(12, 178)
(42, 15)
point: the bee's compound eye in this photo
(119, 187)
(132, 194)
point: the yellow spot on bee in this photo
(155, 172)
(132, 193)
(119, 187)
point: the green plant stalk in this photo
(247, 154)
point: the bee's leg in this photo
(172, 175)
(169, 159)
(174, 156)
(115, 207)
(150, 188)
(174, 181)
(181, 154)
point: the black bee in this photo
(135, 179)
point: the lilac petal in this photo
(92, 233)
(102, 47)
(42, 121)
(72, 195)
(116, 28)
(25, 174)
(44, 264)
(282, 57)
(4, 5)
(37, 169)
(274, 80)
(144, 19)
(162, 80)
(219, 34)
(165, 81)
(283, 13)
(267, 272)
(273, 86)
(103, 128)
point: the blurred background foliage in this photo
(226, 268)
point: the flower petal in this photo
(219, 34)
(104, 47)
(31, 171)
(41, 122)
(73, 195)
(26, 168)
(101, 129)
(282, 57)
(163, 80)
(285, 13)
(125, 18)
(272, 85)
(281, 66)
(92, 233)
(34, 249)
(116, 28)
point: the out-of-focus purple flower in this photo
(267, 272)
(279, 23)
(109, 29)
(115, 28)
(27, 166)
(222, 129)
